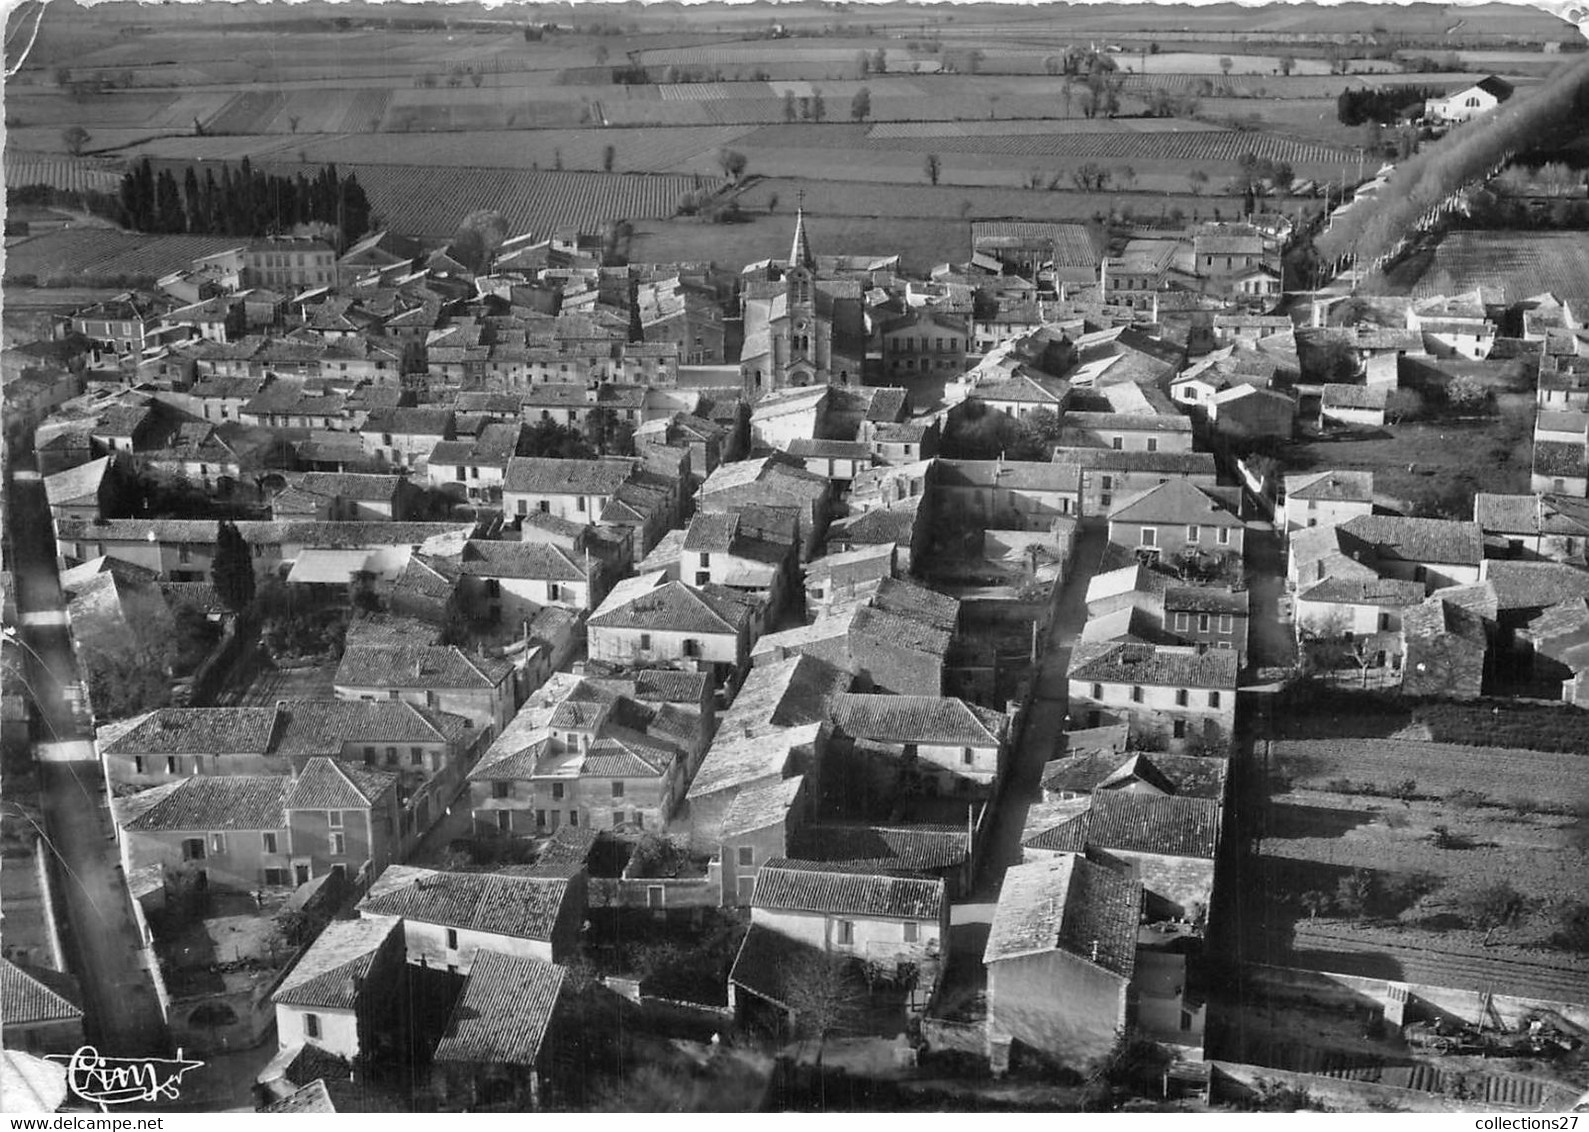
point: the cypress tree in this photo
(233, 569)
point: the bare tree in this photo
(75, 138)
(824, 994)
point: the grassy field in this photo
(1424, 829)
(1411, 460)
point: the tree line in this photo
(1382, 104)
(247, 202)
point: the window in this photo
(311, 1025)
(391, 756)
(656, 896)
(173, 764)
(501, 789)
(645, 640)
(1136, 693)
(416, 756)
(746, 856)
(193, 849)
(557, 791)
(1106, 483)
(1182, 697)
(452, 939)
(1202, 622)
(137, 764)
(1213, 699)
(1097, 691)
(1178, 729)
(1150, 536)
(540, 819)
(505, 821)
(617, 790)
(1183, 622)
(843, 932)
(573, 818)
(1153, 444)
(276, 878)
(692, 647)
(912, 931)
(217, 843)
(1117, 443)
(1193, 533)
(1105, 499)
(339, 845)
(1224, 536)
(184, 553)
(1227, 623)
(617, 818)
(334, 819)
(579, 503)
(268, 841)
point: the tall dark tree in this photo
(193, 200)
(169, 216)
(233, 569)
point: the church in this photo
(800, 328)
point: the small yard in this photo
(1432, 465)
(201, 938)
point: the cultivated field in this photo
(1520, 263)
(91, 252)
(1432, 826)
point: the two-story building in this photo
(1180, 692)
(1326, 499)
(650, 620)
(959, 748)
(1108, 477)
(442, 677)
(1176, 517)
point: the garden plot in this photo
(1436, 855)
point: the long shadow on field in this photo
(1289, 820)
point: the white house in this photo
(1468, 103)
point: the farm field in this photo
(1521, 263)
(88, 252)
(1429, 849)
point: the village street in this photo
(104, 950)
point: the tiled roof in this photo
(1130, 422)
(879, 526)
(760, 807)
(867, 563)
(1027, 475)
(765, 960)
(711, 531)
(331, 784)
(1127, 663)
(331, 972)
(217, 802)
(672, 606)
(1205, 599)
(1442, 541)
(1355, 487)
(1559, 458)
(1164, 825)
(537, 560)
(538, 475)
(320, 727)
(1531, 514)
(1339, 395)
(1113, 460)
(908, 599)
(523, 907)
(26, 1000)
(942, 720)
(198, 731)
(504, 1012)
(80, 482)
(418, 666)
(1529, 585)
(627, 755)
(800, 886)
(1175, 502)
(914, 848)
(312, 1098)
(1388, 592)
(1067, 904)
(1190, 776)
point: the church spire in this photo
(800, 248)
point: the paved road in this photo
(102, 938)
(1040, 733)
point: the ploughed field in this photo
(1376, 857)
